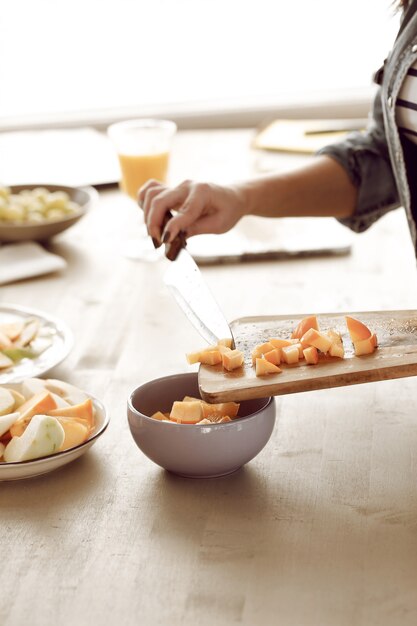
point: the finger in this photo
(166, 200)
(144, 189)
(188, 214)
(150, 194)
(208, 224)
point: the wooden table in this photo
(319, 530)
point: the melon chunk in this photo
(220, 410)
(273, 356)
(260, 349)
(159, 416)
(337, 350)
(357, 330)
(85, 410)
(305, 325)
(186, 412)
(317, 339)
(311, 355)
(290, 354)
(43, 436)
(232, 359)
(365, 346)
(280, 343)
(193, 357)
(227, 343)
(75, 431)
(264, 367)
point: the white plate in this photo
(53, 330)
(30, 469)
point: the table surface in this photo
(320, 529)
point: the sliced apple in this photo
(273, 356)
(290, 354)
(39, 404)
(43, 436)
(5, 342)
(317, 339)
(264, 367)
(357, 330)
(365, 346)
(7, 401)
(19, 399)
(305, 325)
(68, 392)
(12, 329)
(28, 334)
(311, 355)
(5, 361)
(232, 359)
(6, 421)
(186, 412)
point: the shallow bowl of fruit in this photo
(45, 424)
(38, 212)
(183, 434)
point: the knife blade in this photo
(186, 283)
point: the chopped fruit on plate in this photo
(317, 339)
(279, 343)
(365, 346)
(220, 353)
(291, 354)
(311, 355)
(17, 341)
(274, 356)
(232, 359)
(35, 421)
(261, 349)
(357, 330)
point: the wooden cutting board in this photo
(395, 357)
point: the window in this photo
(63, 58)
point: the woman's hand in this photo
(199, 208)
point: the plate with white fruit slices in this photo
(45, 424)
(31, 343)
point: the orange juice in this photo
(138, 168)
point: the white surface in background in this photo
(89, 54)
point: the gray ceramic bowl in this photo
(192, 450)
(10, 231)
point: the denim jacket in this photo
(376, 160)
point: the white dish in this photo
(52, 329)
(14, 231)
(30, 469)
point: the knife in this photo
(185, 281)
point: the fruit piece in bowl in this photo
(197, 450)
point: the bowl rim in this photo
(90, 191)
(244, 418)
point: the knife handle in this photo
(172, 249)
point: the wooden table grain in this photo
(319, 530)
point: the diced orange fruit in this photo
(186, 412)
(39, 404)
(337, 350)
(273, 356)
(193, 357)
(280, 343)
(317, 339)
(264, 367)
(220, 410)
(311, 355)
(334, 336)
(290, 354)
(159, 416)
(228, 342)
(232, 359)
(210, 357)
(365, 346)
(305, 325)
(75, 432)
(260, 349)
(357, 330)
(85, 410)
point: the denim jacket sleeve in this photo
(366, 159)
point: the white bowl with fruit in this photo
(38, 212)
(45, 424)
(178, 431)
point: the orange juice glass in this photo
(143, 147)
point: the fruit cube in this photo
(311, 355)
(317, 339)
(264, 367)
(290, 354)
(273, 356)
(232, 359)
(357, 330)
(305, 325)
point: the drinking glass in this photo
(143, 147)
